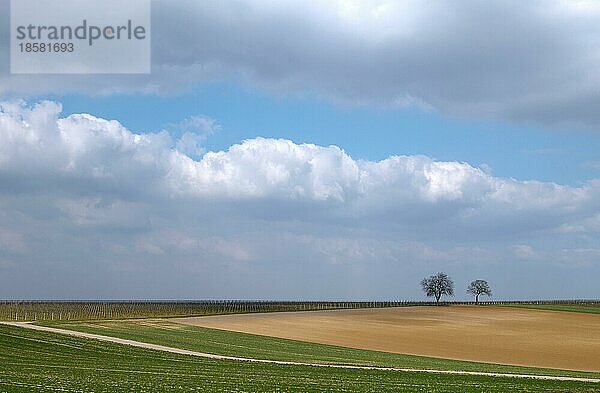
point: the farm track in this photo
(279, 362)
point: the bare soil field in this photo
(525, 337)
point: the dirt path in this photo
(221, 357)
(521, 337)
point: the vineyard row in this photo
(83, 310)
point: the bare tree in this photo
(479, 287)
(438, 285)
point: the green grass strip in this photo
(222, 342)
(582, 308)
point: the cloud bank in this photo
(533, 62)
(82, 194)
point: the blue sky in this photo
(562, 154)
(344, 154)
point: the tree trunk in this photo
(477, 299)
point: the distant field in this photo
(44, 362)
(488, 334)
(27, 310)
(589, 308)
(165, 332)
(40, 310)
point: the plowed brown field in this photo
(538, 338)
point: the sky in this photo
(338, 150)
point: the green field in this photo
(32, 361)
(590, 308)
(223, 342)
